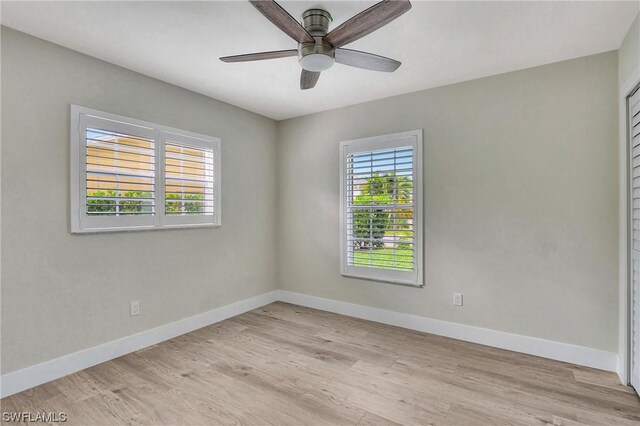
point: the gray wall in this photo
(521, 175)
(629, 53)
(628, 77)
(62, 292)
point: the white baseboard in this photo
(29, 377)
(574, 354)
(38, 374)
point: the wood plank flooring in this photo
(288, 365)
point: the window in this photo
(381, 214)
(128, 174)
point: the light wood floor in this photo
(288, 365)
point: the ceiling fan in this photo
(318, 49)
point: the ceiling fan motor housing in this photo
(318, 56)
(316, 22)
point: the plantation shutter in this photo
(129, 174)
(118, 183)
(634, 139)
(189, 181)
(380, 221)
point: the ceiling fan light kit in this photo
(316, 58)
(318, 49)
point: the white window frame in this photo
(81, 118)
(411, 138)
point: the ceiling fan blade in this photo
(368, 61)
(308, 79)
(281, 19)
(366, 22)
(260, 56)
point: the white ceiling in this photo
(438, 43)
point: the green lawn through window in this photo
(384, 258)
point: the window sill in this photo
(142, 228)
(381, 280)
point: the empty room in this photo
(320, 212)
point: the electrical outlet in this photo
(457, 299)
(135, 308)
